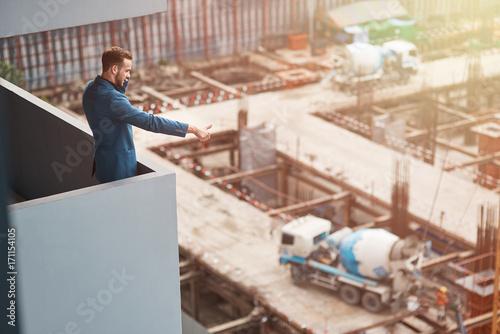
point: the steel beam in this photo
(211, 150)
(81, 52)
(367, 209)
(446, 144)
(454, 112)
(186, 90)
(184, 264)
(304, 206)
(381, 221)
(424, 316)
(471, 323)
(189, 276)
(213, 82)
(177, 38)
(283, 176)
(429, 264)
(52, 78)
(379, 110)
(449, 126)
(395, 110)
(235, 25)
(264, 22)
(479, 160)
(112, 31)
(194, 294)
(316, 185)
(390, 321)
(19, 56)
(234, 325)
(230, 297)
(164, 98)
(205, 29)
(236, 177)
(145, 37)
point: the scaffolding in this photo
(476, 276)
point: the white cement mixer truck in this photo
(394, 61)
(369, 266)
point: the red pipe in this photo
(18, 53)
(52, 78)
(205, 28)
(146, 41)
(264, 22)
(176, 32)
(82, 53)
(112, 30)
(235, 25)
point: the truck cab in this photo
(301, 237)
(406, 54)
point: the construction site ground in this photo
(241, 242)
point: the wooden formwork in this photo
(476, 276)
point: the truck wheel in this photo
(297, 274)
(371, 302)
(350, 294)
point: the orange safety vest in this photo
(442, 300)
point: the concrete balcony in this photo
(90, 258)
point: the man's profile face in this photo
(123, 72)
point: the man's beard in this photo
(119, 83)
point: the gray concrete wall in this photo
(191, 326)
(50, 152)
(90, 258)
(28, 16)
(102, 259)
(46, 156)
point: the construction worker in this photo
(441, 302)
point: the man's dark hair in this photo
(114, 56)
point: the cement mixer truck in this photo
(371, 267)
(394, 61)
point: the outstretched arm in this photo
(122, 110)
(201, 133)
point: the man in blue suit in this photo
(111, 116)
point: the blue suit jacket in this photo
(111, 116)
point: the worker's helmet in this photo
(443, 289)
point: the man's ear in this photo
(114, 69)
